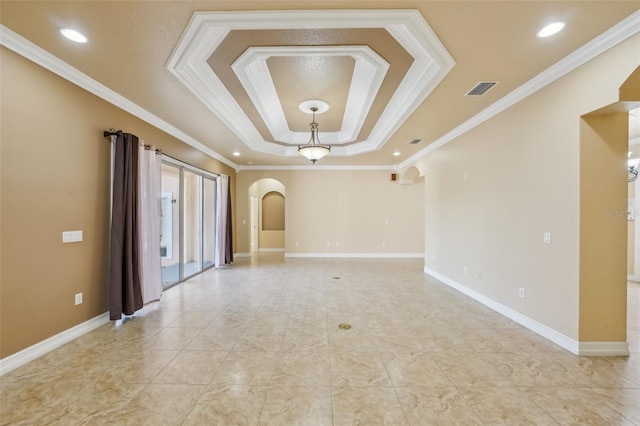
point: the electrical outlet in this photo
(465, 270)
(547, 238)
(480, 276)
(78, 298)
(521, 292)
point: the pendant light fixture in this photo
(314, 150)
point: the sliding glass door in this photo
(192, 224)
(170, 225)
(208, 222)
(188, 222)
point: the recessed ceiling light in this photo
(73, 35)
(396, 153)
(236, 153)
(551, 29)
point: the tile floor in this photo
(258, 344)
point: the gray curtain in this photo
(125, 290)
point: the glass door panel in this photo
(192, 224)
(208, 222)
(170, 225)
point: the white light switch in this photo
(547, 237)
(71, 236)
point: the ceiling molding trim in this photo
(206, 30)
(317, 168)
(25, 48)
(252, 71)
(620, 32)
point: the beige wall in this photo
(55, 177)
(273, 211)
(523, 179)
(604, 145)
(341, 212)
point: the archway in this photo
(267, 210)
(411, 175)
(604, 144)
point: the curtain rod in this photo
(111, 132)
(114, 132)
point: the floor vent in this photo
(481, 88)
(415, 141)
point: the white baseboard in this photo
(271, 250)
(604, 349)
(359, 255)
(242, 255)
(634, 278)
(572, 345)
(32, 352)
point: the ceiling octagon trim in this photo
(370, 70)
(206, 31)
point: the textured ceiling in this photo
(492, 40)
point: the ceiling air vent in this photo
(415, 141)
(481, 88)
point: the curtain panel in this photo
(125, 292)
(224, 226)
(150, 212)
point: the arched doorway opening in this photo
(267, 216)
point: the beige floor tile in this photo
(305, 339)
(354, 339)
(131, 367)
(505, 406)
(251, 368)
(358, 369)
(436, 406)
(303, 368)
(24, 401)
(194, 319)
(174, 338)
(624, 401)
(192, 367)
(367, 406)
(264, 334)
(312, 318)
(576, 406)
(415, 369)
(260, 339)
(215, 339)
(222, 406)
(526, 370)
(154, 405)
(468, 369)
(434, 339)
(270, 318)
(300, 406)
(396, 341)
(91, 400)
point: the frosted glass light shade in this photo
(313, 152)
